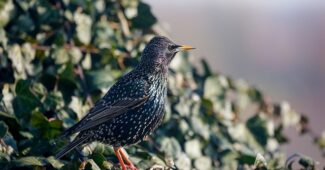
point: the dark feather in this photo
(104, 111)
(67, 148)
(109, 113)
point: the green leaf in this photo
(203, 163)
(68, 72)
(183, 162)
(38, 90)
(24, 23)
(260, 161)
(60, 56)
(53, 101)
(258, 127)
(304, 161)
(212, 87)
(206, 68)
(171, 147)
(193, 148)
(91, 165)
(101, 161)
(75, 55)
(279, 136)
(84, 23)
(55, 163)
(48, 129)
(3, 129)
(145, 19)
(6, 69)
(29, 161)
(246, 159)
(25, 100)
(11, 143)
(10, 120)
(6, 12)
(22, 58)
(98, 79)
(307, 162)
(255, 94)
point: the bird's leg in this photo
(128, 161)
(120, 159)
(82, 157)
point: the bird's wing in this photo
(118, 100)
(107, 113)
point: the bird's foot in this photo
(123, 167)
(131, 167)
(125, 156)
(128, 167)
(82, 165)
(122, 156)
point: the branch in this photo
(85, 49)
(81, 74)
(124, 23)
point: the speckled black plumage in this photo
(133, 107)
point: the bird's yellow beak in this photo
(185, 47)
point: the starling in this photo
(133, 107)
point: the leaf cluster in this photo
(58, 57)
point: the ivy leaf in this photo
(304, 161)
(101, 161)
(98, 79)
(91, 165)
(193, 148)
(29, 161)
(260, 161)
(25, 100)
(84, 23)
(258, 127)
(212, 87)
(6, 70)
(55, 163)
(60, 56)
(48, 129)
(3, 129)
(171, 147)
(68, 72)
(6, 13)
(307, 162)
(203, 163)
(145, 19)
(10, 120)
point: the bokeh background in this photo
(278, 45)
(57, 58)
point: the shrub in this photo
(58, 57)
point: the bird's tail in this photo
(67, 148)
(69, 131)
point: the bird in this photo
(132, 108)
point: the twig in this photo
(81, 74)
(120, 62)
(124, 23)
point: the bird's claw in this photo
(121, 157)
(131, 167)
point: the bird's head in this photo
(160, 51)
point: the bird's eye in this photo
(172, 47)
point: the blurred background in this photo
(278, 45)
(58, 57)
